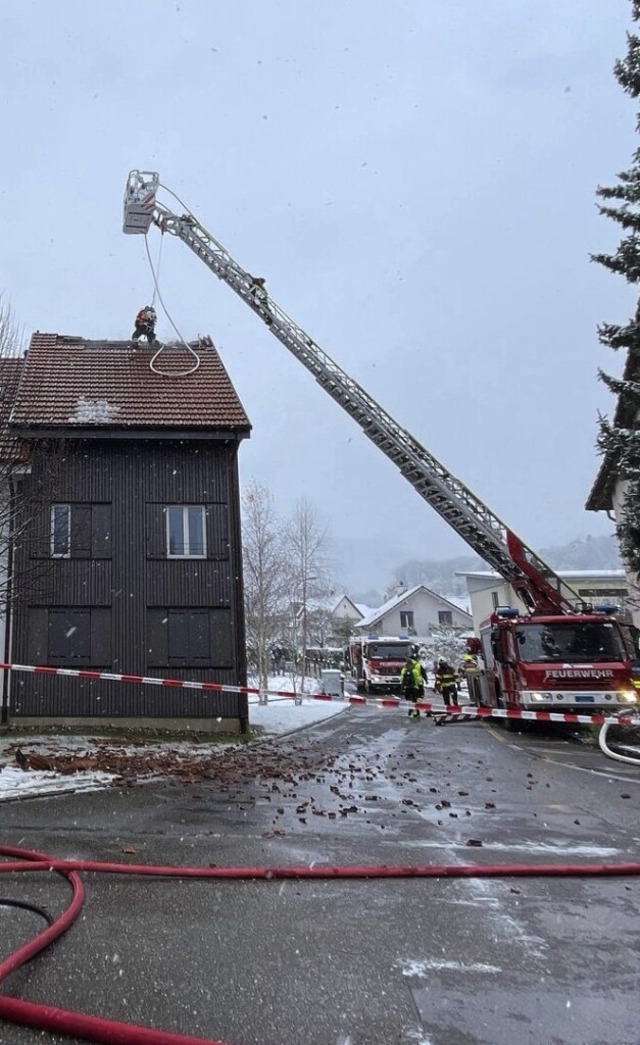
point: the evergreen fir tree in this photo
(622, 444)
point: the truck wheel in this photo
(511, 725)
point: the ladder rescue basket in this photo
(139, 201)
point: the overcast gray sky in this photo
(415, 179)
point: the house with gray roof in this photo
(414, 611)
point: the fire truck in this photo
(574, 662)
(548, 652)
(375, 662)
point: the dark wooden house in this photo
(130, 562)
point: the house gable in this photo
(417, 611)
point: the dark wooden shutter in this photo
(101, 540)
(69, 635)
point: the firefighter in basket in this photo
(145, 325)
(412, 679)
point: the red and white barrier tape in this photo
(441, 713)
(208, 687)
(108, 676)
(468, 714)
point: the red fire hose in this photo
(110, 1032)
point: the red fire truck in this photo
(573, 662)
(547, 653)
(375, 662)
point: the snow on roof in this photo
(390, 604)
(461, 601)
(95, 410)
(337, 600)
(397, 600)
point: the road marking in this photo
(515, 847)
(417, 967)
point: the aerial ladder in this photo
(541, 590)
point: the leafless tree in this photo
(307, 540)
(266, 577)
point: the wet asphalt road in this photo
(412, 962)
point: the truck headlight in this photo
(630, 696)
(540, 696)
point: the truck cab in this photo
(572, 662)
(376, 661)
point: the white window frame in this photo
(185, 509)
(408, 616)
(55, 508)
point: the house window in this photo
(606, 593)
(445, 616)
(186, 532)
(406, 619)
(494, 599)
(61, 531)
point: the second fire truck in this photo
(375, 662)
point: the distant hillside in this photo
(365, 569)
(584, 553)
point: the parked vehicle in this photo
(375, 662)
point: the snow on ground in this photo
(280, 715)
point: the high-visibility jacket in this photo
(412, 674)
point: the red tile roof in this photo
(71, 382)
(12, 450)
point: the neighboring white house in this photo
(327, 620)
(415, 611)
(487, 590)
(345, 609)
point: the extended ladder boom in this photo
(536, 583)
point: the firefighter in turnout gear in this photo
(446, 682)
(145, 325)
(412, 679)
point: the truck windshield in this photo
(384, 651)
(580, 642)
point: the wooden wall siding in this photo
(122, 489)
(56, 696)
(74, 582)
(188, 582)
(188, 473)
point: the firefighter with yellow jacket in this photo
(446, 682)
(412, 679)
